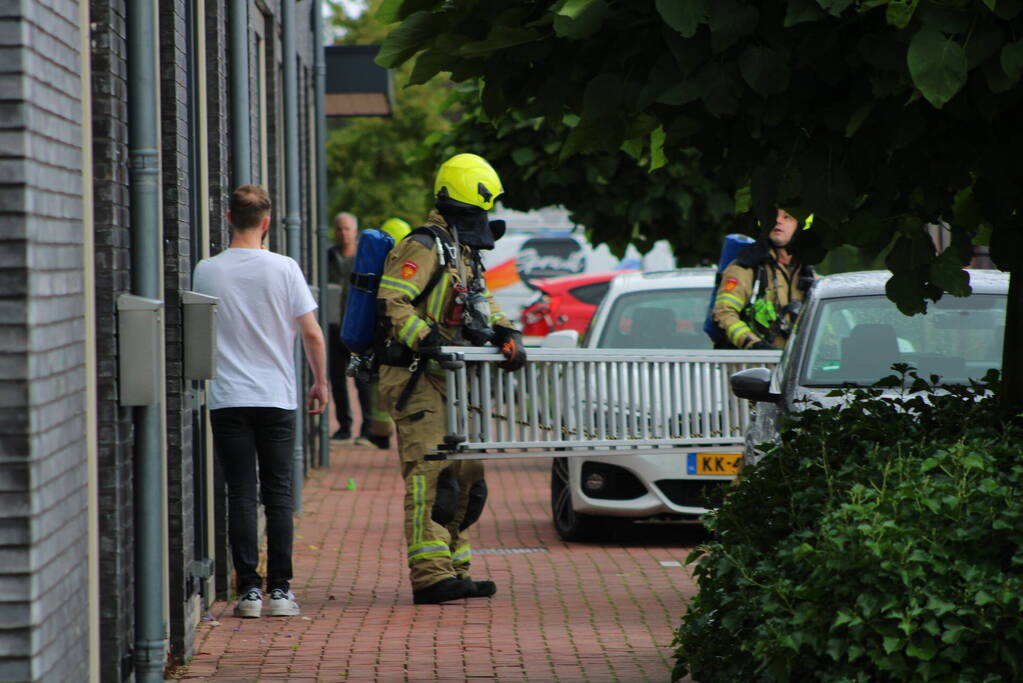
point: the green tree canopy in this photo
(878, 116)
(378, 167)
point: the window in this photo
(590, 294)
(857, 339)
(658, 319)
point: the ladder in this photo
(570, 402)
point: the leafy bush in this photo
(879, 541)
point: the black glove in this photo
(510, 343)
(760, 345)
(429, 346)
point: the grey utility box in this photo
(139, 343)
(199, 316)
(333, 304)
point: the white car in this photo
(661, 310)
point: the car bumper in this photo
(669, 486)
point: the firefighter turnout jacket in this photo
(755, 300)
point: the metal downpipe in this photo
(144, 182)
(293, 221)
(241, 143)
(320, 66)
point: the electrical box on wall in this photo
(199, 319)
(139, 343)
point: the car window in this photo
(658, 319)
(856, 340)
(591, 293)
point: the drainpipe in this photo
(144, 178)
(241, 152)
(321, 199)
(293, 221)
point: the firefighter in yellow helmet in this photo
(433, 293)
(396, 228)
(762, 290)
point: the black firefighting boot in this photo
(479, 589)
(450, 588)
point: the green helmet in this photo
(469, 179)
(396, 228)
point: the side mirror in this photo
(754, 384)
(562, 339)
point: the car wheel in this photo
(570, 525)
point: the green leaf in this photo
(1007, 247)
(396, 10)
(990, 4)
(937, 65)
(499, 38)
(765, 69)
(922, 648)
(908, 293)
(892, 643)
(947, 272)
(428, 65)
(634, 148)
(730, 20)
(685, 16)
(834, 7)
(657, 157)
(523, 156)
(407, 39)
(579, 19)
(900, 12)
(1012, 59)
(861, 114)
(800, 11)
(390, 11)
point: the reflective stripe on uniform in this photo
(418, 510)
(428, 549)
(736, 331)
(403, 286)
(497, 317)
(462, 555)
(409, 332)
(435, 303)
(730, 300)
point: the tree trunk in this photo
(1012, 358)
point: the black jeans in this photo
(241, 437)
(339, 356)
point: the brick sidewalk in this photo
(572, 612)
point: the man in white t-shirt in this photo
(264, 304)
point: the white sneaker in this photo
(283, 604)
(250, 605)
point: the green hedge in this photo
(877, 542)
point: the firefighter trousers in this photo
(442, 498)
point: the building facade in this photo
(80, 531)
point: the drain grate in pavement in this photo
(507, 551)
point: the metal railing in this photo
(594, 402)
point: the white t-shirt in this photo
(261, 296)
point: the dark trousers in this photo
(242, 437)
(339, 357)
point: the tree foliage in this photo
(876, 115)
(378, 167)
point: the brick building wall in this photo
(43, 550)
(113, 278)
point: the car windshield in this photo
(657, 319)
(855, 340)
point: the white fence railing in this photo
(595, 402)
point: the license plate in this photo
(713, 463)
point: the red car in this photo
(566, 302)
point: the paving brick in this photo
(578, 612)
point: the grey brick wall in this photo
(177, 225)
(43, 548)
(113, 278)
